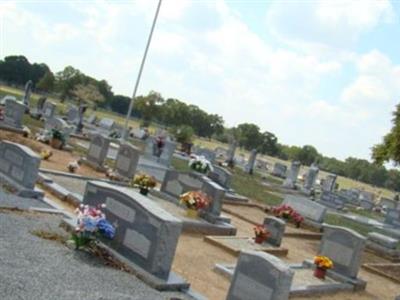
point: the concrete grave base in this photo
(236, 244)
(377, 269)
(304, 282)
(23, 191)
(173, 283)
(93, 165)
(233, 197)
(391, 254)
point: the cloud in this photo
(326, 24)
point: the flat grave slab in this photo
(390, 271)
(235, 245)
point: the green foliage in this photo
(58, 135)
(183, 133)
(46, 83)
(389, 149)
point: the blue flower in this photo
(106, 228)
(89, 224)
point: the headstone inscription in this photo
(146, 234)
(260, 276)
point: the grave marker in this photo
(290, 181)
(279, 170)
(249, 168)
(127, 160)
(311, 177)
(260, 276)
(98, 150)
(329, 183)
(221, 176)
(276, 227)
(14, 112)
(307, 208)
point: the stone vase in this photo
(192, 213)
(320, 273)
(144, 191)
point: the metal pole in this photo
(125, 132)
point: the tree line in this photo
(185, 120)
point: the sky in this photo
(321, 73)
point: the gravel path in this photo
(34, 268)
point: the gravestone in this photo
(92, 119)
(350, 196)
(383, 240)
(49, 109)
(146, 234)
(38, 111)
(14, 112)
(332, 200)
(311, 177)
(221, 176)
(98, 150)
(221, 152)
(176, 183)
(249, 168)
(393, 217)
(260, 276)
(167, 151)
(307, 208)
(81, 112)
(73, 115)
(276, 227)
(107, 124)
(367, 196)
(127, 160)
(388, 203)
(19, 166)
(27, 94)
(279, 170)
(368, 205)
(207, 153)
(329, 183)
(231, 153)
(290, 181)
(344, 247)
(59, 124)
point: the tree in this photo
(389, 149)
(248, 136)
(148, 106)
(269, 144)
(120, 104)
(86, 93)
(183, 134)
(307, 155)
(46, 83)
(66, 80)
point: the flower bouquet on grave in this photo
(322, 264)
(261, 234)
(46, 154)
(297, 218)
(194, 201)
(283, 211)
(144, 182)
(92, 224)
(200, 164)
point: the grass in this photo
(366, 213)
(180, 165)
(251, 187)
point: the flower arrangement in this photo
(73, 166)
(287, 212)
(46, 154)
(195, 200)
(92, 223)
(57, 139)
(322, 264)
(200, 164)
(144, 182)
(261, 234)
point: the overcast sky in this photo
(321, 73)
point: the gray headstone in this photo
(290, 181)
(207, 153)
(59, 124)
(311, 177)
(276, 227)
(14, 112)
(367, 196)
(249, 168)
(393, 217)
(166, 152)
(19, 164)
(307, 208)
(344, 247)
(49, 109)
(260, 276)
(332, 200)
(350, 196)
(383, 240)
(231, 151)
(27, 94)
(98, 149)
(329, 183)
(73, 115)
(388, 203)
(368, 205)
(221, 176)
(107, 124)
(127, 160)
(279, 170)
(146, 234)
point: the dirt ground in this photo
(195, 259)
